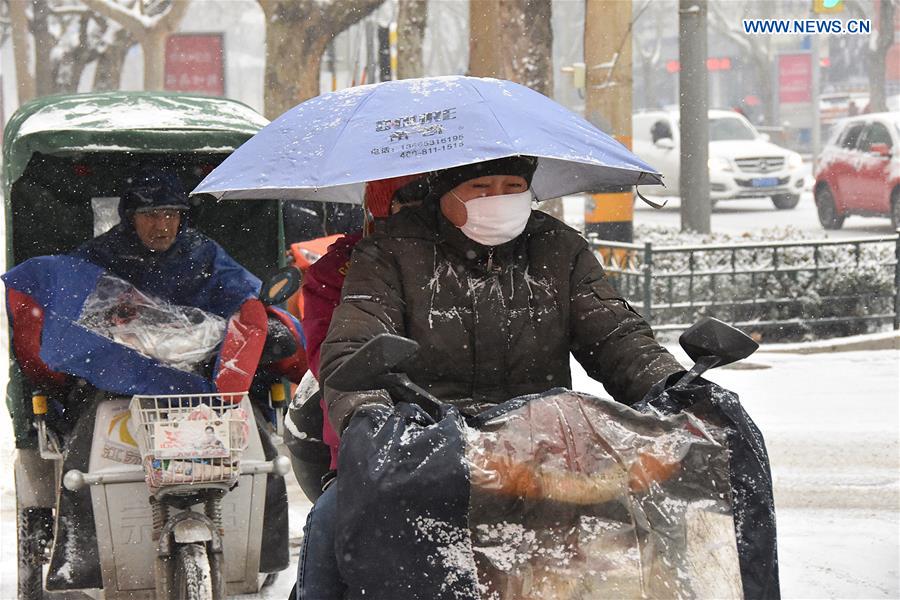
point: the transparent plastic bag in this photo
(575, 497)
(182, 337)
(106, 214)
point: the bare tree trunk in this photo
(150, 32)
(513, 39)
(43, 46)
(68, 67)
(411, 20)
(108, 74)
(527, 43)
(24, 80)
(154, 45)
(286, 85)
(485, 59)
(725, 16)
(297, 33)
(764, 81)
(878, 55)
(154, 48)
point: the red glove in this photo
(27, 319)
(239, 357)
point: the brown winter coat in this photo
(492, 323)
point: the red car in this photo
(858, 172)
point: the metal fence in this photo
(841, 287)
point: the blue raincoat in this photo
(195, 271)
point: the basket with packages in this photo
(191, 439)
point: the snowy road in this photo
(832, 425)
(742, 216)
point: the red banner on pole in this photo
(795, 78)
(194, 63)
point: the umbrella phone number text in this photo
(430, 146)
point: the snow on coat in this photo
(492, 323)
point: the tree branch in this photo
(722, 23)
(138, 24)
(130, 19)
(172, 17)
(341, 14)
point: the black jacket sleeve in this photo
(613, 343)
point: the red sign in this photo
(194, 63)
(795, 78)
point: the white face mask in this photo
(494, 220)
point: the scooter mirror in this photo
(710, 337)
(375, 359)
(280, 286)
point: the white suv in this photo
(742, 162)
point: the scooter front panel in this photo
(124, 519)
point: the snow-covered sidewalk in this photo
(832, 424)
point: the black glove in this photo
(342, 405)
(667, 400)
(280, 342)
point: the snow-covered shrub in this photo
(774, 292)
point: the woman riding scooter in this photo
(497, 296)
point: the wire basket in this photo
(191, 439)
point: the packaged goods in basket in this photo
(185, 440)
(201, 433)
(162, 472)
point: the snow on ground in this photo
(832, 426)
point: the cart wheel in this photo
(192, 575)
(270, 579)
(35, 532)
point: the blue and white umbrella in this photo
(328, 147)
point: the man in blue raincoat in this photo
(155, 250)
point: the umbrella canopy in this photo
(327, 147)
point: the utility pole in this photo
(608, 81)
(816, 88)
(693, 100)
(371, 52)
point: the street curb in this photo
(875, 341)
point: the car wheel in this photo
(785, 201)
(895, 209)
(828, 214)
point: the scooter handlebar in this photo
(74, 480)
(280, 465)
